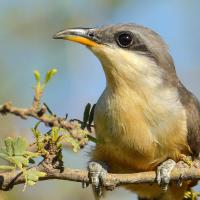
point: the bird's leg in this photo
(97, 173)
(163, 173)
(165, 168)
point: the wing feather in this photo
(192, 107)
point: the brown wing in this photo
(192, 106)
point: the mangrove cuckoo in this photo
(145, 119)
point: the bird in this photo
(145, 118)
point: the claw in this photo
(186, 159)
(97, 173)
(85, 184)
(180, 180)
(163, 173)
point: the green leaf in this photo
(34, 175)
(37, 125)
(31, 183)
(5, 156)
(16, 162)
(6, 167)
(37, 76)
(16, 153)
(4, 151)
(19, 146)
(49, 75)
(36, 133)
(35, 172)
(21, 159)
(86, 114)
(31, 176)
(55, 133)
(38, 137)
(9, 146)
(73, 142)
(92, 139)
(91, 116)
(30, 154)
(48, 109)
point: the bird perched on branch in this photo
(145, 119)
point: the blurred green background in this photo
(26, 44)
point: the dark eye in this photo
(124, 39)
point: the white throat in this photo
(135, 84)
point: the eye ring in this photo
(124, 39)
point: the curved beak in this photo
(83, 36)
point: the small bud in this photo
(49, 75)
(37, 75)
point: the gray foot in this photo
(164, 172)
(97, 173)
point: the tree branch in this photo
(9, 179)
(24, 113)
(48, 120)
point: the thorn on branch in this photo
(48, 109)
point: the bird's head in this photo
(130, 54)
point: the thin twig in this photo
(48, 120)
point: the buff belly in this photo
(135, 136)
(122, 161)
